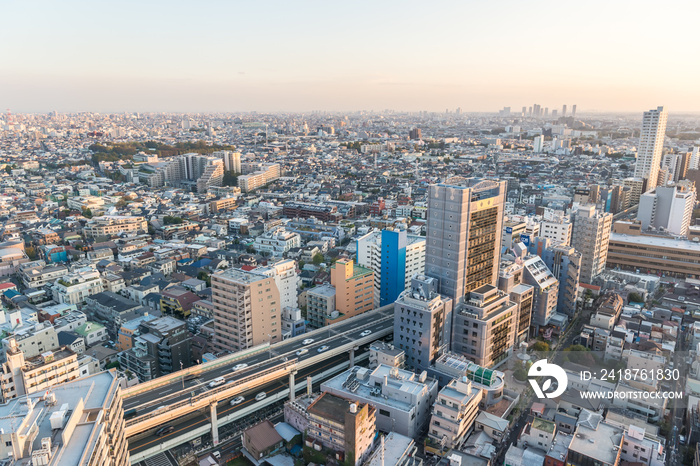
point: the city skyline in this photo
(247, 57)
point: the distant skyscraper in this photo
(573, 111)
(590, 238)
(563, 110)
(651, 144)
(524, 111)
(414, 134)
(465, 220)
(546, 112)
(554, 114)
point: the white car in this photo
(302, 352)
(323, 348)
(365, 333)
(216, 382)
(238, 367)
(260, 396)
(237, 400)
(308, 341)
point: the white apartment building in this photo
(591, 237)
(277, 241)
(557, 227)
(668, 207)
(651, 143)
(74, 287)
(109, 225)
(285, 275)
(402, 398)
(369, 254)
(454, 413)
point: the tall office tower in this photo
(538, 144)
(484, 326)
(395, 257)
(354, 288)
(565, 263)
(463, 241)
(573, 111)
(524, 111)
(232, 160)
(246, 310)
(554, 114)
(546, 112)
(422, 323)
(590, 237)
(529, 111)
(563, 110)
(669, 208)
(651, 144)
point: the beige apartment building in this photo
(484, 326)
(590, 238)
(111, 225)
(247, 310)
(354, 288)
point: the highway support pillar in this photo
(309, 385)
(352, 357)
(214, 424)
(292, 384)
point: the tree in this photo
(151, 230)
(520, 373)
(171, 220)
(204, 277)
(31, 252)
(635, 298)
(121, 203)
(541, 346)
(230, 179)
(317, 259)
(87, 213)
(113, 364)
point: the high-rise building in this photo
(422, 323)
(557, 227)
(484, 326)
(246, 310)
(676, 164)
(651, 144)
(538, 144)
(395, 257)
(546, 290)
(414, 134)
(573, 111)
(563, 110)
(464, 229)
(354, 288)
(590, 237)
(232, 160)
(694, 163)
(511, 281)
(454, 413)
(565, 263)
(669, 208)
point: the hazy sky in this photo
(347, 55)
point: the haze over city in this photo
(343, 56)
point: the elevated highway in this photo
(186, 400)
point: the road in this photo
(180, 389)
(224, 408)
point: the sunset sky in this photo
(351, 55)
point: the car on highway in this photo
(323, 348)
(365, 333)
(164, 430)
(216, 382)
(308, 341)
(302, 352)
(260, 396)
(239, 367)
(237, 400)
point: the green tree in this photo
(230, 179)
(635, 298)
(541, 346)
(151, 230)
(121, 203)
(317, 259)
(31, 252)
(87, 213)
(113, 364)
(204, 277)
(171, 220)
(520, 373)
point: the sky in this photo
(287, 56)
